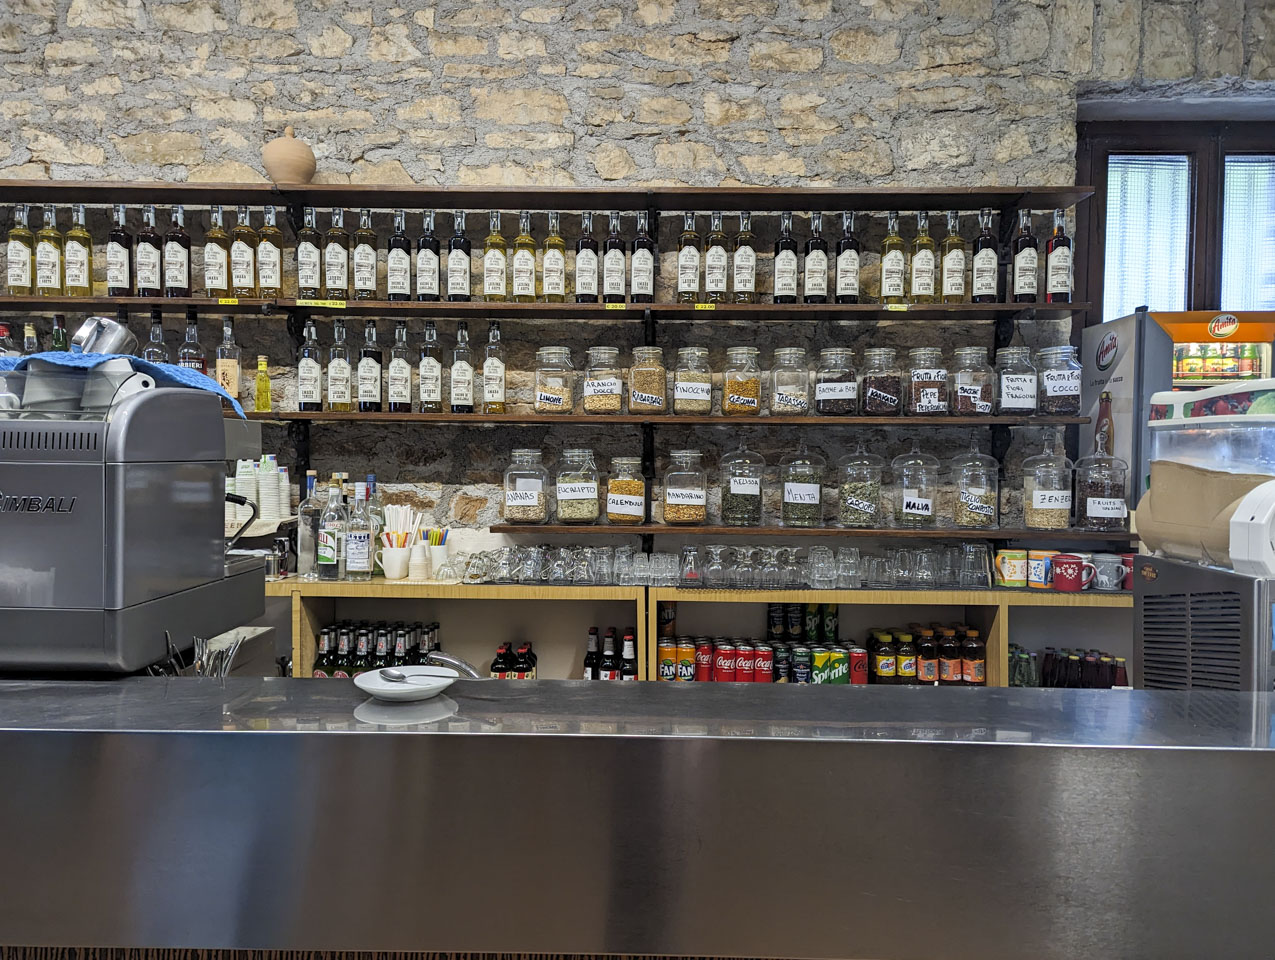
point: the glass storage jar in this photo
(555, 380)
(1102, 486)
(975, 477)
(741, 481)
(789, 383)
(973, 383)
(926, 382)
(626, 492)
(880, 384)
(836, 383)
(525, 483)
(916, 488)
(576, 487)
(648, 381)
(859, 489)
(603, 381)
(1047, 480)
(685, 488)
(1059, 377)
(693, 382)
(741, 383)
(801, 480)
(1016, 381)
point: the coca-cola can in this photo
(724, 661)
(744, 653)
(703, 658)
(858, 664)
(764, 664)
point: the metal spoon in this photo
(397, 676)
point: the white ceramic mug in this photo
(1110, 570)
(437, 557)
(393, 561)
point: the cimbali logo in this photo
(29, 503)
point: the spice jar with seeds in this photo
(789, 383)
(1047, 479)
(975, 477)
(1102, 486)
(926, 382)
(648, 381)
(1016, 381)
(880, 384)
(973, 383)
(525, 483)
(1058, 394)
(859, 489)
(626, 492)
(693, 382)
(741, 478)
(603, 381)
(555, 380)
(576, 487)
(685, 488)
(836, 383)
(801, 477)
(916, 488)
(741, 383)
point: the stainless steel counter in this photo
(706, 820)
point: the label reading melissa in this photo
(748, 486)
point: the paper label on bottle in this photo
(613, 273)
(970, 500)
(954, 273)
(1025, 271)
(587, 272)
(426, 272)
(577, 491)
(1058, 270)
(524, 273)
(602, 386)
(626, 505)
(48, 266)
(493, 380)
(148, 266)
(643, 269)
(786, 273)
(638, 398)
(325, 545)
(524, 497)
(358, 551)
(1051, 499)
(848, 273)
(715, 264)
(816, 274)
(892, 274)
(739, 400)
(494, 273)
(400, 381)
(20, 264)
(309, 381)
(747, 486)
(685, 390)
(555, 273)
(369, 380)
(242, 273)
(457, 273)
(336, 267)
(77, 264)
(790, 401)
(860, 506)
(462, 383)
(269, 266)
(801, 493)
(745, 269)
(923, 273)
(985, 266)
(227, 371)
(365, 267)
(837, 390)
(1061, 383)
(176, 265)
(398, 273)
(431, 374)
(918, 506)
(215, 268)
(116, 265)
(338, 381)
(687, 496)
(1106, 507)
(1018, 391)
(688, 270)
(307, 265)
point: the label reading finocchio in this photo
(692, 391)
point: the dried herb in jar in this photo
(692, 392)
(974, 400)
(882, 395)
(975, 509)
(860, 503)
(741, 396)
(648, 389)
(626, 501)
(741, 509)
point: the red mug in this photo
(1128, 565)
(1069, 573)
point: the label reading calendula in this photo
(625, 505)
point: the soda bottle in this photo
(500, 663)
(533, 660)
(905, 660)
(609, 665)
(974, 660)
(522, 664)
(927, 658)
(628, 660)
(591, 656)
(951, 669)
(885, 660)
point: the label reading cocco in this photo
(1061, 383)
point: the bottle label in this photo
(1025, 271)
(325, 545)
(307, 265)
(400, 381)
(688, 270)
(973, 671)
(20, 264)
(77, 264)
(309, 381)
(577, 491)
(493, 380)
(801, 493)
(365, 267)
(816, 274)
(214, 268)
(457, 273)
(336, 267)
(923, 273)
(1061, 383)
(643, 268)
(148, 266)
(398, 273)
(1057, 270)
(786, 273)
(892, 274)
(176, 265)
(848, 273)
(462, 383)
(524, 273)
(338, 381)
(116, 265)
(918, 506)
(358, 551)
(369, 380)
(602, 386)
(625, 505)
(883, 665)
(228, 375)
(241, 265)
(984, 273)
(427, 272)
(837, 390)
(555, 273)
(684, 495)
(1051, 499)
(48, 266)
(613, 273)
(715, 261)
(587, 272)
(950, 670)
(1018, 391)
(747, 486)
(954, 273)
(745, 269)
(494, 269)
(1106, 507)
(431, 373)
(269, 266)
(906, 666)
(688, 390)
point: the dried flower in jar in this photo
(882, 395)
(741, 396)
(626, 501)
(975, 509)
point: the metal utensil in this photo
(398, 676)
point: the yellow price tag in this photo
(332, 304)
(705, 306)
(616, 306)
(228, 301)
(897, 306)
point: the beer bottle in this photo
(381, 655)
(974, 660)
(323, 662)
(609, 665)
(950, 666)
(591, 656)
(927, 658)
(628, 663)
(885, 660)
(362, 661)
(401, 656)
(521, 667)
(905, 660)
(341, 662)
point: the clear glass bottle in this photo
(262, 402)
(78, 258)
(364, 258)
(48, 255)
(176, 256)
(685, 488)
(429, 371)
(309, 513)
(243, 256)
(716, 261)
(310, 371)
(741, 383)
(1058, 393)
(554, 268)
(495, 261)
(493, 373)
(555, 380)
(269, 257)
(927, 393)
(688, 261)
(359, 548)
(330, 542)
(916, 488)
(525, 289)
(973, 386)
(1016, 381)
(603, 381)
(975, 479)
(399, 380)
(309, 258)
(336, 258)
(880, 384)
(21, 254)
(836, 383)
(1047, 485)
(859, 489)
(744, 262)
(740, 475)
(576, 487)
(801, 479)
(648, 381)
(893, 272)
(952, 251)
(229, 355)
(626, 492)
(156, 350)
(525, 482)
(340, 388)
(922, 262)
(462, 371)
(693, 382)
(789, 383)
(1102, 489)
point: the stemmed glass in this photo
(743, 576)
(772, 577)
(715, 575)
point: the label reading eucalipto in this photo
(577, 491)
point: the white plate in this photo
(422, 683)
(405, 714)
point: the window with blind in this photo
(1148, 218)
(1248, 233)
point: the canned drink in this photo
(795, 621)
(830, 618)
(800, 664)
(839, 666)
(666, 659)
(724, 661)
(858, 664)
(764, 663)
(744, 654)
(703, 659)
(782, 662)
(686, 659)
(775, 621)
(814, 621)
(820, 664)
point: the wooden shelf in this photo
(995, 597)
(602, 420)
(934, 533)
(424, 590)
(112, 305)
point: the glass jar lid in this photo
(924, 353)
(578, 455)
(1059, 354)
(790, 355)
(647, 354)
(914, 458)
(880, 355)
(803, 457)
(553, 355)
(971, 459)
(526, 455)
(620, 464)
(742, 353)
(685, 457)
(971, 356)
(1051, 461)
(860, 459)
(741, 456)
(836, 354)
(1007, 355)
(604, 356)
(692, 353)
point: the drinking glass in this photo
(641, 569)
(690, 573)
(823, 568)
(715, 573)
(743, 574)
(600, 560)
(975, 566)
(900, 562)
(771, 576)
(792, 573)
(925, 565)
(623, 566)
(847, 568)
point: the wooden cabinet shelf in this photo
(603, 420)
(708, 530)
